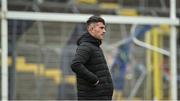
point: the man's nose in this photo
(104, 30)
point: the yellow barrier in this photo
(86, 1)
(156, 68)
(37, 69)
(117, 95)
(157, 34)
(53, 73)
(108, 6)
(127, 12)
(70, 79)
(149, 67)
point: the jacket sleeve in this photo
(82, 56)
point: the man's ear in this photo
(90, 28)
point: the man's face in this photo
(98, 30)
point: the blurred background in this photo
(40, 53)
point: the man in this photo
(94, 81)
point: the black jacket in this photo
(90, 65)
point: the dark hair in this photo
(95, 19)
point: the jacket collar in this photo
(87, 37)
